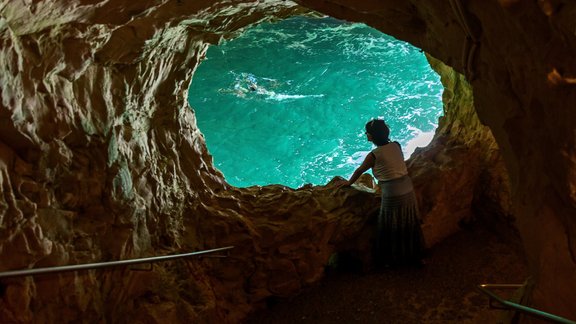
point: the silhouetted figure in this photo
(399, 239)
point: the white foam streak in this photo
(422, 139)
(355, 159)
(281, 96)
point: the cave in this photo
(101, 158)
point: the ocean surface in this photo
(286, 102)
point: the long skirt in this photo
(399, 240)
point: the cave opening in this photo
(286, 102)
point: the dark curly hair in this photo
(379, 131)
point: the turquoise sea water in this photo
(286, 102)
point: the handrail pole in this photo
(530, 311)
(98, 265)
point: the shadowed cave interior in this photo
(101, 159)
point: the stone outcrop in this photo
(101, 158)
(460, 177)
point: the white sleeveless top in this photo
(389, 163)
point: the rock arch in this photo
(100, 157)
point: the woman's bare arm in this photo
(365, 166)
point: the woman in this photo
(399, 240)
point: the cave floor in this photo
(441, 292)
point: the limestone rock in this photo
(101, 158)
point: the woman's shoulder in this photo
(388, 145)
(388, 148)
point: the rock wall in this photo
(460, 176)
(101, 159)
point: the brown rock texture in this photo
(101, 158)
(460, 177)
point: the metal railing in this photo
(485, 288)
(87, 266)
